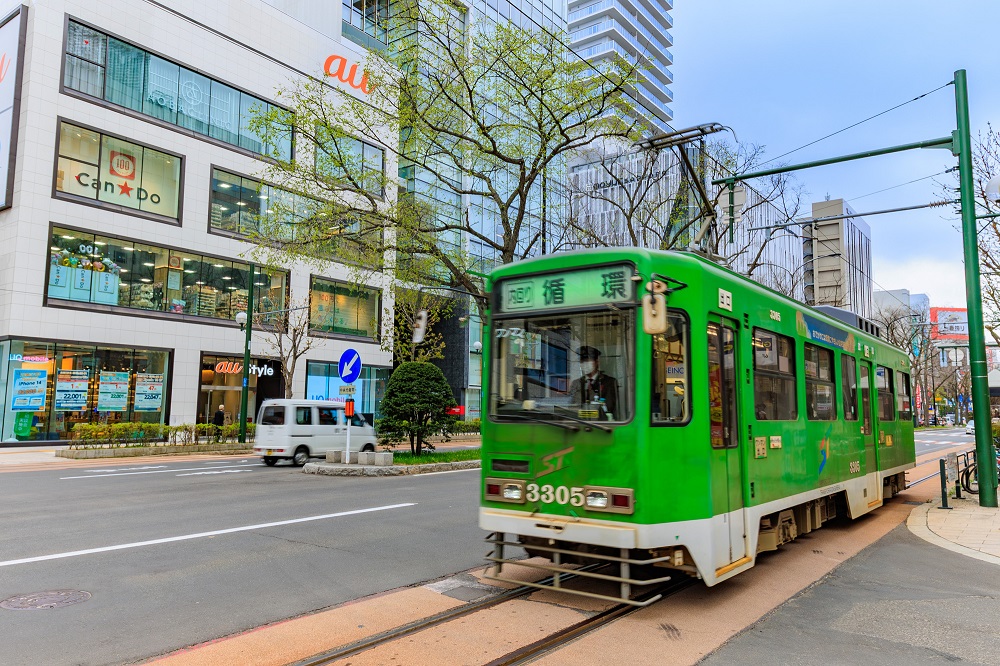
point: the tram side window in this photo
(670, 394)
(774, 377)
(903, 398)
(883, 389)
(849, 386)
(820, 385)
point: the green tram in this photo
(648, 408)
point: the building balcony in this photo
(626, 12)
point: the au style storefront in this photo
(221, 383)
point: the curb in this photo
(335, 469)
(137, 451)
(916, 522)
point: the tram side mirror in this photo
(419, 326)
(654, 308)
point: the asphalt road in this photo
(180, 553)
(943, 439)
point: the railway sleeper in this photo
(784, 526)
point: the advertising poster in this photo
(71, 390)
(148, 392)
(29, 390)
(112, 392)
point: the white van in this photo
(297, 430)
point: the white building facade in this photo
(134, 181)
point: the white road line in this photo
(199, 535)
(159, 471)
(222, 471)
(127, 469)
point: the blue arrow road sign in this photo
(349, 366)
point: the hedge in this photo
(111, 435)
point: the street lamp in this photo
(246, 324)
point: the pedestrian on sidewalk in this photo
(219, 420)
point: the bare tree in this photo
(286, 335)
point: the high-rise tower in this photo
(636, 30)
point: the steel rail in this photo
(422, 624)
(530, 652)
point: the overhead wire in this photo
(860, 122)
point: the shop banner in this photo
(148, 392)
(29, 390)
(112, 393)
(71, 390)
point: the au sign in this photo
(234, 368)
(336, 65)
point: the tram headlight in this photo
(609, 500)
(597, 499)
(513, 492)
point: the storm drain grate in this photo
(914, 502)
(45, 600)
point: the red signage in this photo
(458, 410)
(336, 65)
(122, 165)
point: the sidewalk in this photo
(966, 528)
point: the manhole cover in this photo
(45, 600)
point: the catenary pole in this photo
(246, 361)
(987, 470)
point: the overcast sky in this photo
(784, 73)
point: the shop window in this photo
(351, 161)
(91, 268)
(106, 68)
(53, 387)
(239, 204)
(113, 171)
(774, 377)
(340, 308)
(820, 386)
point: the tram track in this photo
(522, 655)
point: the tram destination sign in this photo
(568, 289)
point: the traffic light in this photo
(419, 326)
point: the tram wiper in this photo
(537, 419)
(589, 424)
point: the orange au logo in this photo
(228, 367)
(336, 65)
(4, 66)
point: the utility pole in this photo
(979, 383)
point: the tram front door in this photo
(724, 434)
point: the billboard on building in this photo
(11, 59)
(950, 324)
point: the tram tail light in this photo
(609, 500)
(621, 501)
(505, 490)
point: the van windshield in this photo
(274, 415)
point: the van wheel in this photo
(270, 461)
(301, 456)
(369, 448)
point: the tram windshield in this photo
(580, 366)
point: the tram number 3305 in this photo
(855, 466)
(554, 494)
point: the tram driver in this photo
(594, 386)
